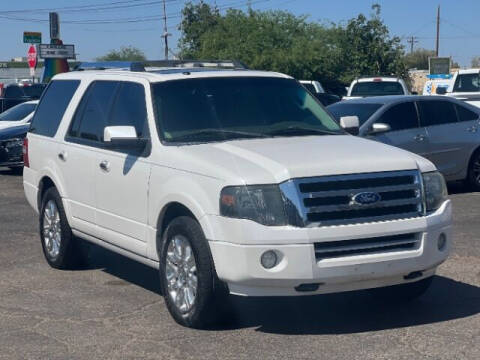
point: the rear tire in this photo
(473, 177)
(59, 245)
(187, 272)
(403, 293)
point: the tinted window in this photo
(467, 83)
(52, 107)
(436, 112)
(310, 88)
(345, 108)
(18, 112)
(92, 113)
(224, 108)
(129, 108)
(465, 114)
(34, 91)
(377, 88)
(400, 117)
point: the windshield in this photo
(467, 83)
(363, 111)
(18, 112)
(377, 88)
(226, 108)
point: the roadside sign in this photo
(439, 65)
(32, 59)
(32, 56)
(54, 26)
(52, 51)
(30, 37)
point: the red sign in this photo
(32, 57)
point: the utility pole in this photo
(165, 30)
(412, 40)
(438, 32)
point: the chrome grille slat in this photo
(320, 194)
(380, 204)
(366, 246)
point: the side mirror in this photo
(351, 124)
(378, 128)
(122, 136)
(441, 90)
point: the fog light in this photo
(442, 242)
(268, 259)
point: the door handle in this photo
(105, 165)
(62, 156)
(419, 137)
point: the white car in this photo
(465, 86)
(229, 182)
(20, 114)
(376, 86)
(313, 86)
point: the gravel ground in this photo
(113, 309)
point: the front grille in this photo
(381, 244)
(330, 200)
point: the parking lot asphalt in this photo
(113, 308)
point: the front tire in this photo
(193, 294)
(402, 293)
(58, 244)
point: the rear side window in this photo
(52, 107)
(129, 108)
(400, 117)
(436, 112)
(465, 114)
(377, 88)
(467, 83)
(92, 113)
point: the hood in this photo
(9, 124)
(14, 132)
(263, 161)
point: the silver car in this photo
(444, 130)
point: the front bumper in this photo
(10, 156)
(237, 256)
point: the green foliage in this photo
(419, 59)
(280, 41)
(126, 53)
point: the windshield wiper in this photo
(217, 134)
(299, 130)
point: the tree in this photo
(126, 53)
(280, 41)
(476, 62)
(419, 59)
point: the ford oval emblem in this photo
(366, 198)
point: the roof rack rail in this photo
(215, 64)
(111, 65)
(377, 76)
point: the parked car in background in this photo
(229, 181)
(13, 94)
(465, 86)
(18, 115)
(442, 129)
(11, 145)
(376, 86)
(317, 90)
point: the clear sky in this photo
(96, 26)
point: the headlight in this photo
(13, 143)
(261, 203)
(435, 190)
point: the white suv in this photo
(229, 182)
(376, 86)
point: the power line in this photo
(412, 40)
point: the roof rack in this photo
(377, 76)
(111, 65)
(215, 64)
